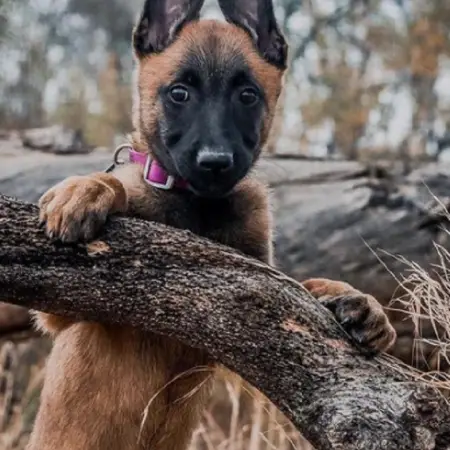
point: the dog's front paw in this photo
(75, 209)
(361, 315)
(364, 320)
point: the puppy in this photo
(207, 93)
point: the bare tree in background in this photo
(364, 52)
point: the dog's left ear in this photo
(258, 19)
(161, 21)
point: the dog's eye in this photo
(179, 94)
(249, 97)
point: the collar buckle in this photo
(170, 180)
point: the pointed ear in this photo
(258, 19)
(160, 22)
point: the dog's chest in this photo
(209, 218)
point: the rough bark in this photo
(253, 319)
(333, 218)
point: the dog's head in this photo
(207, 89)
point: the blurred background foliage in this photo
(368, 78)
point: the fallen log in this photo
(335, 219)
(248, 316)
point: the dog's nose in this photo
(215, 161)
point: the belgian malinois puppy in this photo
(207, 93)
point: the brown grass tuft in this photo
(425, 301)
(241, 418)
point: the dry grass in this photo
(426, 302)
(241, 418)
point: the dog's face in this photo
(207, 91)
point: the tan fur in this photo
(99, 382)
(117, 371)
(101, 379)
(321, 287)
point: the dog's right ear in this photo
(161, 21)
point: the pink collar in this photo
(154, 173)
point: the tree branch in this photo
(248, 316)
